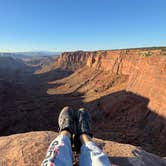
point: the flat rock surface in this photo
(29, 149)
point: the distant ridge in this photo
(29, 54)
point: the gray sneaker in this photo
(66, 119)
(82, 123)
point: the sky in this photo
(69, 25)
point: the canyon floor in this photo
(123, 90)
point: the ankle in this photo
(84, 138)
(66, 133)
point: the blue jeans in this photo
(59, 153)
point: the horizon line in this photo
(75, 50)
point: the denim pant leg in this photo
(59, 152)
(91, 155)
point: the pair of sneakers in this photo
(77, 123)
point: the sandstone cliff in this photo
(128, 86)
(146, 74)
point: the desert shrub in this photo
(146, 53)
(163, 49)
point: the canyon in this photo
(122, 88)
(124, 91)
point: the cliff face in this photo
(146, 71)
(147, 74)
(128, 86)
(72, 60)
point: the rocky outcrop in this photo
(29, 149)
(72, 60)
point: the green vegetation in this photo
(162, 48)
(148, 53)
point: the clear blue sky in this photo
(61, 25)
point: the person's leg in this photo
(60, 151)
(60, 147)
(90, 154)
